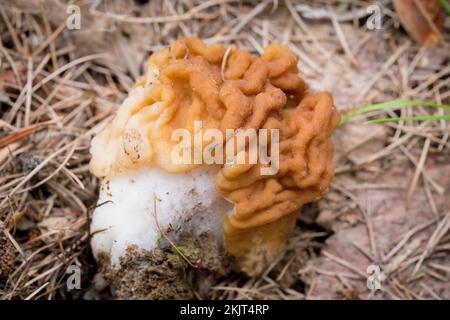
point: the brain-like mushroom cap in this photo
(229, 89)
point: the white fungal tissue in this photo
(126, 209)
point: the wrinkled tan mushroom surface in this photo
(228, 88)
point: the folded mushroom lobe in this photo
(265, 206)
(230, 89)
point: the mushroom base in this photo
(254, 249)
(163, 273)
(155, 233)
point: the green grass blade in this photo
(394, 104)
(418, 118)
(445, 5)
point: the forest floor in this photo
(385, 219)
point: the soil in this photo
(162, 273)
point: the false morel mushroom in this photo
(158, 219)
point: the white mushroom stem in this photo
(184, 202)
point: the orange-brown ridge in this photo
(229, 88)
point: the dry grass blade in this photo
(418, 172)
(161, 231)
(23, 133)
(441, 230)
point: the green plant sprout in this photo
(445, 5)
(396, 104)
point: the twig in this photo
(155, 216)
